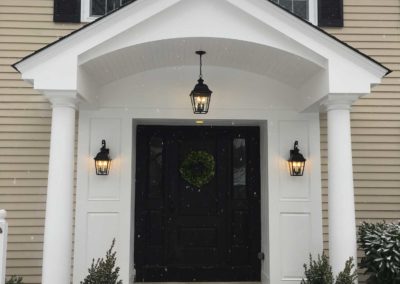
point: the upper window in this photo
(92, 9)
(306, 9)
(102, 7)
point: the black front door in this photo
(187, 233)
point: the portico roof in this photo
(255, 36)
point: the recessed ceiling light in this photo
(199, 121)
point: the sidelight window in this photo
(239, 168)
(155, 164)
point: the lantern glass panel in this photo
(200, 103)
(102, 167)
(296, 161)
(296, 168)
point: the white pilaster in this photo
(57, 250)
(3, 244)
(342, 226)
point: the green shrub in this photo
(349, 274)
(103, 271)
(320, 272)
(381, 245)
(14, 280)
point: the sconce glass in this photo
(296, 161)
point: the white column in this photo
(57, 250)
(342, 226)
(3, 244)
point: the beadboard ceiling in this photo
(262, 60)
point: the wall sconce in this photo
(296, 161)
(201, 94)
(102, 161)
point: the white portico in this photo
(138, 66)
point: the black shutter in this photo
(67, 11)
(330, 13)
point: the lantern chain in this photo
(201, 66)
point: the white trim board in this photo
(297, 201)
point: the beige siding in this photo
(374, 28)
(25, 118)
(26, 25)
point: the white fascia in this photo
(312, 38)
(60, 59)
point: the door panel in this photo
(185, 233)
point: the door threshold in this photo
(205, 282)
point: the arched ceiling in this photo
(271, 62)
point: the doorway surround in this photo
(290, 204)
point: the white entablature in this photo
(253, 36)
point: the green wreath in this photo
(198, 168)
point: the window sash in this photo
(310, 9)
(90, 13)
(103, 7)
(87, 16)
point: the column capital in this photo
(339, 101)
(62, 98)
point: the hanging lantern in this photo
(296, 161)
(102, 161)
(201, 94)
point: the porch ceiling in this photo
(267, 61)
